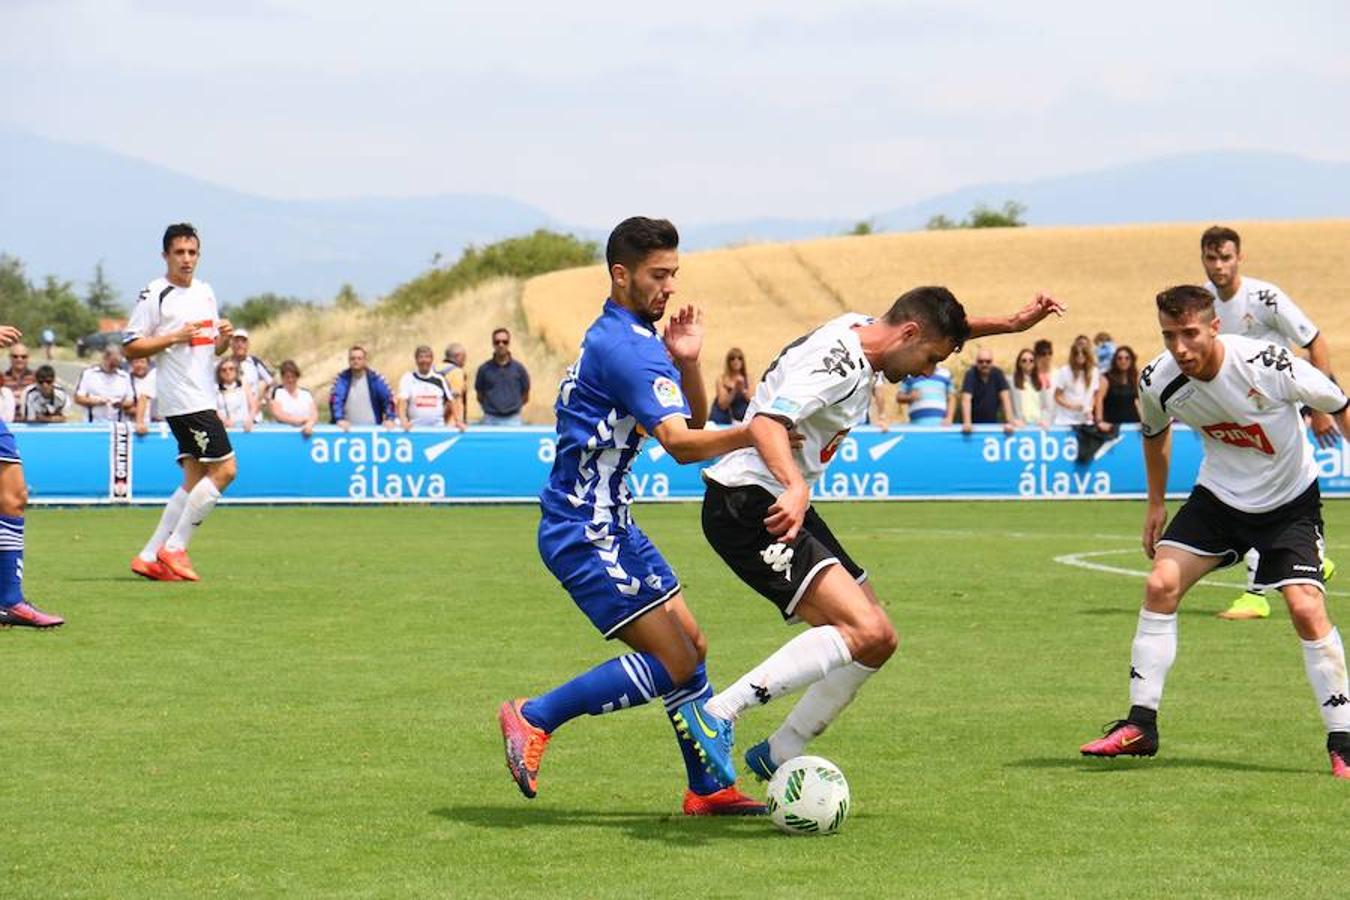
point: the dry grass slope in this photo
(763, 296)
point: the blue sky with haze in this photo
(702, 112)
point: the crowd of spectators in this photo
(1096, 387)
(428, 396)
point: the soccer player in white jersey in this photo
(423, 398)
(178, 320)
(757, 511)
(1257, 487)
(1261, 311)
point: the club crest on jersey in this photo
(667, 392)
(1259, 399)
(827, 452)
(1235, 435)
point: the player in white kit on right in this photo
(178, 320)
(1257, 487)
(1261, 311)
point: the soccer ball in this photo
(808, 795)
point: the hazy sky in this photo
(704, 111)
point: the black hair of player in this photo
(1217, 235)
(180, 230)
(634, 238)
(936, 309)
(1186, 300)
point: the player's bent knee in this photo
(876, 641)
(222, 473)
(1162, 591)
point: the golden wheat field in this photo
(760, 297)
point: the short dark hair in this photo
(935, 309)
(1186, 300)
(632, 239)
(45, 373)
(1217, 235)
(180, 230)
(1043, 348)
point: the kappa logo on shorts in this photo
(779, 558)
(1235, 435)
(200, 438)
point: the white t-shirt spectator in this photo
(187, 372)
(145, 387)
(6, 404)
(95, 381)
(301, 405)
(425, 396)
(1076, 394)
(232, 404)
(36, 406)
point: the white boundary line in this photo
(1080, 561)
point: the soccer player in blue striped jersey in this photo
(629, 382)
(14, 610)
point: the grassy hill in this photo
(760, 297)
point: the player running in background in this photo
(14, 610)
(757, 511)
(177, 319)
(1257, 487)
(1261, 311)
(629, 381)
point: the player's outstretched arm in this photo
(688, 445)
(1157, 460)
(773, 442)
(1041, 305)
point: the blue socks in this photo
(11, 560)
(696, 688)
(629, 680)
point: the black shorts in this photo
(1289, 537)
(201, 436)
(733, 522)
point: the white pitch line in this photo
(1079, 560)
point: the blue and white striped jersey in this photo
(621, 387)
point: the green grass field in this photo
(317, 719)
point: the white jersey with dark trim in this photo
(1261, 311)
(187, 372)
(1257, 452)
(821, 383)
(425, 397)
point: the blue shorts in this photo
(9, 448)
(614, 576)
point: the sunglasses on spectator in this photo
(18, 356)
(46, 381)
(500, 342)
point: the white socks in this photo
(1154, 650)
(200, 501)
(1324, 661)
(808, 657)
(820, 705)
(173, 511)
(1253, 559)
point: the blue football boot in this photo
(711, 736)
(760, 762)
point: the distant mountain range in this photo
(64, 207)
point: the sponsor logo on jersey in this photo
(836, 361)
(667, 393)
(1235, 435)
(201, 340)
(827, 452)
(1274, 357)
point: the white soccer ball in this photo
(808, 795)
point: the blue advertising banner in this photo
(95, 464)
